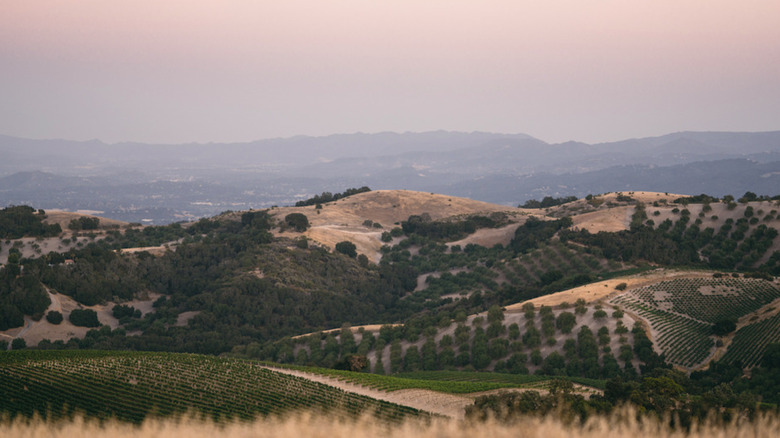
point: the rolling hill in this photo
(615, 287)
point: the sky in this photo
(174, 71)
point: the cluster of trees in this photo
(20, 294)
(737, 245)
(23, 221)
(329, 197)
(84, 223)
(548, 201)
(84, 318)
(488, 345)
(422, 225)
(535, 231)
(697, 199)
(300, 290)
(663, 394)
(722, 390)
(475, 270)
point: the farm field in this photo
(750, 342)
(682, 312)
(133, 386)
(451, 382)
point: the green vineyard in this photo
(517, 380)
(683, 311)
(710, 299)
(750, 342)
(131, 386)
(452, 382)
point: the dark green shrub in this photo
(84, 318)
(298, 221)
(54, 317)
(347, 248)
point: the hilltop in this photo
(58, 240)
(362, 218)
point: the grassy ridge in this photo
(130, 386)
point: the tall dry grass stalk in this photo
(318, 426)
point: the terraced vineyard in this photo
(130, 386)
(683, 311)
(750, 342)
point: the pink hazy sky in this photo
(175, 71)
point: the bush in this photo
(121, 311)
(54, 317)
(18, 344)
(621, 286)
(347, 248)
(298, 221)
(724, 327)
(566, 322)
(84, 318)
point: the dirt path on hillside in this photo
(449, 405)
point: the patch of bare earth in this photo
(489, 237)
(184, 317)
(448, 405)
(153, 250)
(610, 220)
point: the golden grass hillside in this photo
(606, 212)
(343, 219)
(63, 218)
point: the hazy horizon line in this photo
(376, 133)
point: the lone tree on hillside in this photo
(347, 247)
(298, 221)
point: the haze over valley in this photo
(158, 184)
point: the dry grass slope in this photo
(306, 425)
(64, 217)
(343, 219)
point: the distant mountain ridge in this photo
(193, 180)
